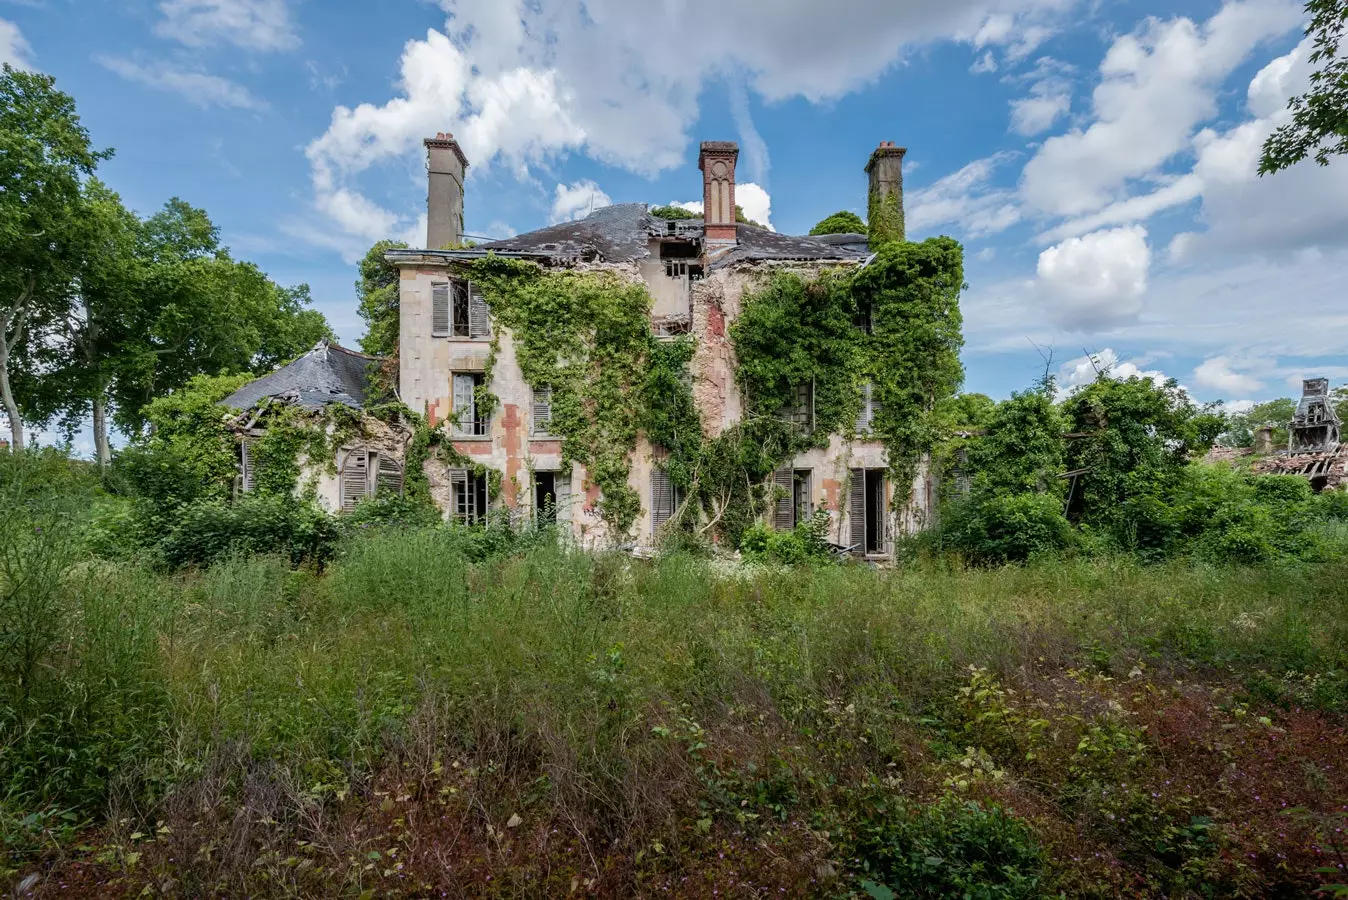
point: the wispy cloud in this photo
(199, 88)
(13, 48)
(258, 25)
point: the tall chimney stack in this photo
(885, 209)
(446, 165)
(717, 162)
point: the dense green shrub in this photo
(390, 510)
(807, 542)
(212, 529)
(1001, 528)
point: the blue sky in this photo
(1097, 159)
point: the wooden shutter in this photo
(462, 409)
(390, 475)
(784, 506)
(479, 315)
(355, 478)
(440, 309)
(246, 480)
(562, 490)
(458, 481)
(867, 416)
(542, 416)
(662, 499)
(856, 509)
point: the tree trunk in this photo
(101, 429)
(11, 408)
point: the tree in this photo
(842, 222)
(1023, 448)
(378, 292)
(676, 213)
(742, 219)
(44, 154)
(1319, 117)
(1276, 414)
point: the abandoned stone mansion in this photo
(695, 271)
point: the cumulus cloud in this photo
(13, 48)
(199, 88)
(1097, 280)
(577, 200)
(523, 81)
(1050, 99)
(1218, 374)
(965, 199)
(258, 25)
(1085, 369)
(751, 198)
(1157, 84)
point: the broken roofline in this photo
(421, 257)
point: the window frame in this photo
(470, 496)
(478, 427)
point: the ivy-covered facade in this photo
(632, 374)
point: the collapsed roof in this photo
(326, 374)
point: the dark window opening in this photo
(863, 319)
(545, 497)
(875, 511)
(470, 496)
(678, 250)
(459, 319)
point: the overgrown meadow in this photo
(479, 713)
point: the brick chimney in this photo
(717, 162)
(445, 165)
(885, 207)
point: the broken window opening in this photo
(459, 311)
(468, 421)
(863, 318)
(794, 501)
(866, 511)
(801, 411)
(470, 496)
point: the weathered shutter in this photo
(479, 314)
(867, 415)
(562, 491)
(804, 495)
(440, 309)
(390, 476)
(458, 482)
(856, 509)
(355, 478)
(784, 506)
(662, 499)
(542, 417)
(246, 481)
(462, 410)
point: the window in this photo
(552, 497)
(794, 501)
(468, 422)
(863, 318)
(866, 511)
(542, 417)
(458, 310)
(869, 407)
(666, 498)
(674, 269)
(801, 411)
(366, 473)
(470, 496)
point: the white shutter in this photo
(662, 499)
(355, 478)
(390, 475)
(866, 419)
(562, 486)
(458, 482)
(440, 309)
(856, 509)
(542, 416)
(247, 481)
(784, 505)
(463, 405)
(479, 314)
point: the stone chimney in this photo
(445, 165)
(885, 207)
(1263, 439)
(717, 162)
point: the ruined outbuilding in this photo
(697, 272)
(1313, 451)
(365, 461)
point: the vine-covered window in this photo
(666, 498)
(869, 407)
(468, 420)
(794, 500)
(542, 411)
(367, 472)
(800, 412)
(470, 496)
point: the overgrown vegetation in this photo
(842, 222)
(487, 713)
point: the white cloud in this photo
(1085, 369)
(523, 81)
(1050, 99)
(751, 198)
(1157, 84)
(13, 48)
(1097, 280)
(259, 25)
(199, 88)
(1217, 374)
(577, 200)
(1239, 406)
(985, 63)
(964, 199)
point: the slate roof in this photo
(326, 374)
(621, 233)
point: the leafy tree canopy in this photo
(377, 290)
(1319, 123)
(677, 213)
(843, 222)
(1273, 413)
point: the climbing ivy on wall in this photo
(588, 336)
